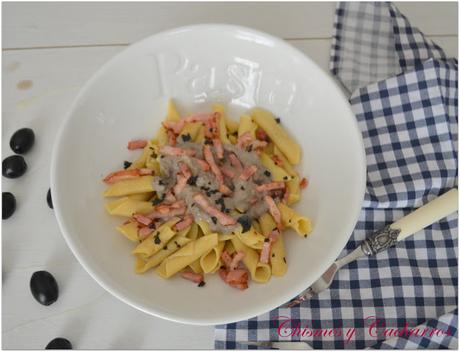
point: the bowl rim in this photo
(263, 308)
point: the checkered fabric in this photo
(404, 95)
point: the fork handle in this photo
(426, 215)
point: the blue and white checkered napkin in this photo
(403, 91)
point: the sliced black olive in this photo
(44, 287)
(8, 204)
(49, 200)
(59, 343)
(245, 222)
(14, 166)
(22, 140)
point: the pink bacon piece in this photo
(258, 144)
(237, 257)
(194, 277)
(184, 169)
(144, 232)
(145, 171)
(270, 186)
(174, 151)
(121, 175)
(203, 164)
(227, 172)
(180, 185)
(304, 183)
(204, 117)
(170, 197)
(219, 148)
(226, 258)
(186, 222)
(137, 144)
(244, 140)
(223, 219)
(172, 138)
(225, 190)
(248, 171)
(237, 278)
(174, 126)
(142, 219)
(236, 163)
(265, 252)
(286, 195)
(274, 211)
(207, 153)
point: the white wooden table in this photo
(57, 47)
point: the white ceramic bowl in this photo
(198, 65)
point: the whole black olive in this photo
(8, 204)
(49, 200)
(22, 140)
(44, 287)
(14, 166)
(59, 343)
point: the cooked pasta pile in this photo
(208, 195)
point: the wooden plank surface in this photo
(85, 313)
(92, 23)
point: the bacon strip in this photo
(223, 219)
(258, 144)
(277, 160)
(261, 135)
(273, 209)
(170, 197)
(224, 189)
(226, 258)
(168, 214)
(304, 183)
(186, 222)
(286, 195)
(212, 163)
(184, 169)
(173, 151)
(174, 126)
(219, 148)
(265, 252)
(248, 171)
(172, 138)
(236, 278)
(142, 219)
(194, 277)
(203, 164)
(270, 186)
(237, 257)
(227, 172)
(144, 232)
(180, 185)
(137, 144)
(121, 175)
(236, 163)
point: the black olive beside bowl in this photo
(49, 200)
(8, 204)
(44, 287)
(59, 343)
(14, 166)
(22, 140)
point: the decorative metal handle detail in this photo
(380, 240)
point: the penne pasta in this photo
(286, 165)
(222, 126)
(173, 245)
(186, 255)
(277, 256)
(211, 260)
(129, 230)
(259, 272)
(127, 187)
(141, 196)
(246, 125)
(277, 134)
(196, 266)
(127, 207)
(251, 238)
(290, 218)
(172, 114)
(156, 240)
(293, 187)
(278, 173)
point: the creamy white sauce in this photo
(234, 205)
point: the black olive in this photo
(14, 166)
(49, 200)
(245, 222)
(44, 287)
(22, 140)
(59, 343)
(8, 204)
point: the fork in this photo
(385, 238)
